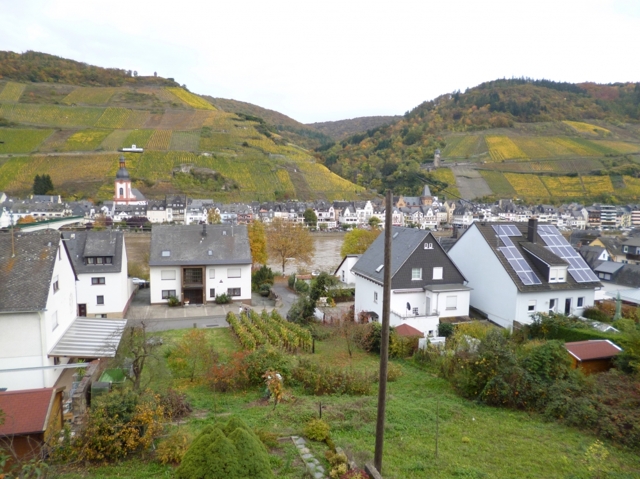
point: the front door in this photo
(82, 310)
(567, 306)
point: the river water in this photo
(326, 257)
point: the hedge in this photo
(576, 334)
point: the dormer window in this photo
(557, 274)
(166, 253)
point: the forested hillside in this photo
(341, 129)
(505, 127)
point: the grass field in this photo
(498, 183)
(527, 185)
(12, 91)
(191, 99)
(474, 441)
(21, 141)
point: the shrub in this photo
(261, 277)
(402, 346)
(118, 425)
(175, 404)
(370, 336)
(355, 474)
(173, 301)
(445, 329)
(253, 460)
(301, 286)
(321, 380)
(222, 299)
(291, 281)
(264, 358)
(317, 430)
(394, 371)
(230, 376)
(269, 439)
(265, 290)
(594, 313)
(173, 448)
(222, 459)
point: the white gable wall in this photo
(542, 302)
(494, 293)
(364, 300)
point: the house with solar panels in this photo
(517, 270)
(425, 284)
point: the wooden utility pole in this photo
(384, 340)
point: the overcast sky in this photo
(331, 60)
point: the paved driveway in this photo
(160, 317)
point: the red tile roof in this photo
(25, 411)
(593, 349)
(406, 330)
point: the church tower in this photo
(123, 193)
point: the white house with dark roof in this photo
(38, 324)
(517, 270)
(103, 289)
(343, 271)
(196, 263)
(426, 285)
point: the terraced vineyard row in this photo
(190, 99)
(90, 96)
(12, 91)
(254, 330)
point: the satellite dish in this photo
(408, 307)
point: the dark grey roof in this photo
(612, 244)
(406, 242)
(489, 234)
(608, 267)
(26, 277)
(223, 244)
(591, 254)
(95, 243)
(633, 241)
(628, 275)
(543, 253)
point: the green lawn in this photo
(475, 441)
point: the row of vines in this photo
(254, 330)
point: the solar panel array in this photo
(558, 245)
(513, 255)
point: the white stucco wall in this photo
(493, 293)
(542, 300)
(27, 338)
(221, 282)
(364, 299)
(344, 273)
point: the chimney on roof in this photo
(532, 228)
(204, 229)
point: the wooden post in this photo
(384, 340)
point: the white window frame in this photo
(212, 292)
(415, 311)
(375, 296)
(56, 285)
(231, 272)
(212, 273)
(416, 274)
(554, 308)
(438, 272)
(98, 280)
(451, 303)
(230, 292)
(98, 299)
(531, 307)
(167, 293)
(580, 302)
(166, 274)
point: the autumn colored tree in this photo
(192, 356)
(288, 240)
(26, 220)
(257, 242)
(310, 218)
(214, 217)
(357, 241)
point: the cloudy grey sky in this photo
(330, 60)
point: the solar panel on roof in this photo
(558, 245)
(513, 255)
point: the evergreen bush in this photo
(253, 460)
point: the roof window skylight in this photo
(166, 253)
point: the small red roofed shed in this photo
(409, 331)
(31, 418)
(593, 356)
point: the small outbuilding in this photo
(593, 356)
(32, 418)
